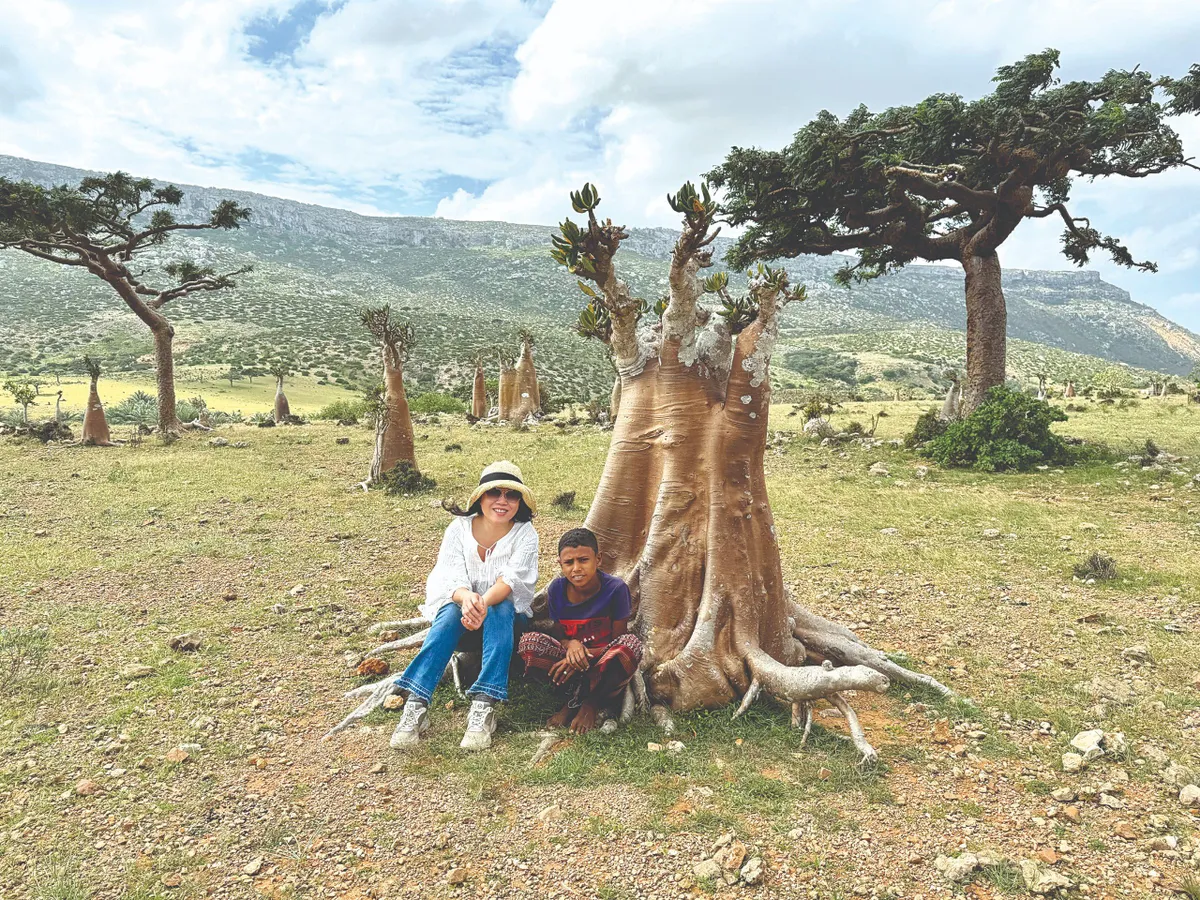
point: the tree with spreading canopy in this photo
(24, 394)
(95, 425)
(951, 179)
(681, 511)
(393, 423)
(102, 225)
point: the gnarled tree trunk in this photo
(987, 328)
(282, 411)
(393, 429)
(164, 375)
(479, 407)
(95, 425)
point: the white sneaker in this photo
(481, 722)
(413, 723)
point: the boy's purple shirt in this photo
(590, 621)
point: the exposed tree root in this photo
(802, 716)
(398, 625)
(869, 754)
(375, 695)
(750, 696)
(661, 716)
(411, 642)
(549, 739)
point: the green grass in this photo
(144, 542)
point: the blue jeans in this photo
(445, 635)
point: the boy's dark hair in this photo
(579, 537)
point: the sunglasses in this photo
(506, 493)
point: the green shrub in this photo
(1099, 566)
(434, 402)
(343, 411)
(928, 426)
(405, 478)
(1007, 431)
(139, 408)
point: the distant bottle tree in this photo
(102, 225)
(393, 421)
(951, 179)
(283, 411)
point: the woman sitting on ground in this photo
(483, 580)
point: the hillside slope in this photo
(470, 285)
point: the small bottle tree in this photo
(283, 412)
(95, 425)
(393, 423)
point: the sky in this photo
(495, 109)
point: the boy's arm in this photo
(620, 627)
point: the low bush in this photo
(343, 411)
(1007, 431)
(139, 408)
(405, 478)
(928, 426)
(434, 402)
(1098, 566)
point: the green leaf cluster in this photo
(1008, 431)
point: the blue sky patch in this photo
(273, 39)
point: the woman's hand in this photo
(474, 610)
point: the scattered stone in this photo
(824, 774)
(1088, 526)
(1114, 743)
(279, 609)
(752, 872)
(707, 870)
(373, 668)
(298, 590)
(1039, 880)
(378, 769)
(1108, 801)
(177, 755)
(957, 869)
(1071, 814)
(395, 701)
(1137, 653)
(675, 746)
(731, 857)
(171, 880)
(1190, 795)
(991, 534)
(1063, 795)
(551, 813)
(218, 442)
(254, 866)
(86, 788)
(889, 531)
(457, 875)
(921, 472)
(137, 670)
(1161, 843)
(1105, 687)
(342, 440)
(879, 470)
(654, 748)
(1125, 831)
(230, 596)
(1072, 763)
(184, 643)
(1177, 775)
(1088, 744)
(1047, 855)
(388, 636)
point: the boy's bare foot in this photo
(585, 719)
(561, 718)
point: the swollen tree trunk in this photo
(282, 410)
(164, 375)
(1070, 390)
(479, 407)
(952, 403)
(393, 429)
(95, 425)
(507, 401)
(987, 328)
(528, 400)
(614, 400)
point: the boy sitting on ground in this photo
(589, 653)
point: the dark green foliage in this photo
(405, 478)
(931, 180)
(434, 402)
(817, 405)
(822, 365)
(564, 501)
(1009, 430)
(1099, 566)
(929, 425)
(139, 408)
(453, 448)
(1150, 453)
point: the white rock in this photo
(1088, 744)
(879, 470)
(957, 868)
(1190, 795)
(1114, 743)
(707, 870)
(1072, 762)
(675, 746)
(752, 872)
(137, 670)
(1041, 881)
(254, 866)
(889, 531)
(991, 534)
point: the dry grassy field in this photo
(271, 557)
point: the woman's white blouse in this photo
(514, 558)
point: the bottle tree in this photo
(104, 224)
(479, 404)
(280, 370)
(951, 179)
(529, 400)
(95, 425)
(393, 423)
